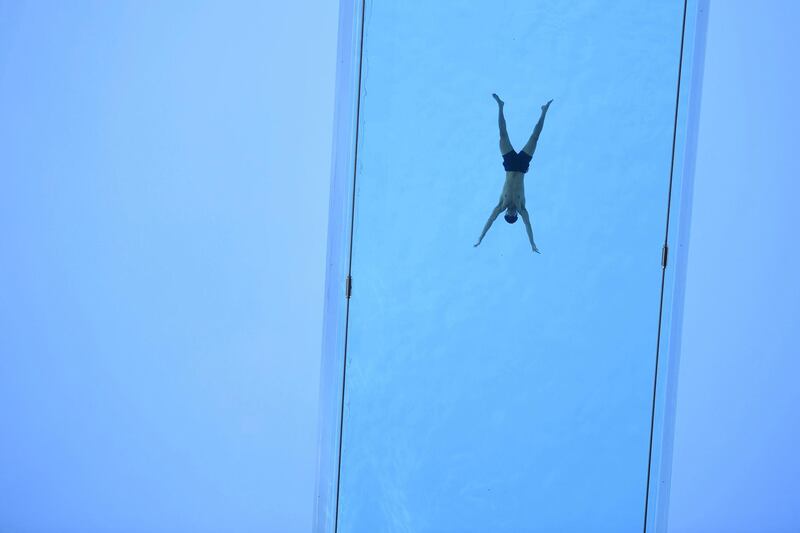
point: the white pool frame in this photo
(337, 288)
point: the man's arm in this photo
(497, 210)
(527, 220)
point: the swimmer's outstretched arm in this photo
(527, 220)
(497, 210)
(530, 147)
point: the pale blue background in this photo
(160, 295)
(737, 467)
(164, 173)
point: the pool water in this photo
(492, 388)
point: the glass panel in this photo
(492, 388)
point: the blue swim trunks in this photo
(516, 161)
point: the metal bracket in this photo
(348, 287)
(664, 255)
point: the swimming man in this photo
(512, 199)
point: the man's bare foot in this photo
(535, 249)
(497, 99)
(547, 105)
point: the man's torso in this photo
(514, 190)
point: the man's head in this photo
(511, 215)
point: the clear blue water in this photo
(491, 388)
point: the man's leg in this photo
(505, 143)
(530, 147)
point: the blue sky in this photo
(736, 465)
(160, 325)
(164, 172)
